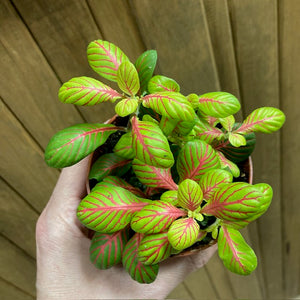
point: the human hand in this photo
(63, 267)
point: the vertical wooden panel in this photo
(17, 267)
(254, 26)
(9, 291)
(27, 83)
(289, 43)
(22, 161)
(180, 292)
(177, 29)
(18, 219)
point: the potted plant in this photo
(167, 178)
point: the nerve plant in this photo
(164, 177)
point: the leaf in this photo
(228, 165)
(170, 104)
(218, 104)
(109, 209)
(170, 197)
(128, 78)
(136, 269)
(194, 100)
(72, 144)
(156, 217)
(106, 248)
(109, 164)
(227, 123)
(212, 180)
(196, 158)
(234, 201)
(183, 233)
(235, 253)
(189, 195)
(145, 66)
(161, 83)
(206, 132)
(185, 127)
(154, 248)
(105, 58)
(167, 125)
(237, 140)
(264, 119)
(123, 148)
(152, 176)
(150, 145)
(126, 107)
(86, 91)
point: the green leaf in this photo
(227, 123)
(106, 248)
(123, 147)
(109, 164)
(228, 165)
(109, 209)
(194, 100)
(196, 158)
(161, 83)
(105, 58)
(152, 176)
(206, 132)
(154, 248)
(237, 140)
(145, 66)
(212, 180)
(170, 104)
(72, 144)
(128, 78)
(150, 145)
(185, 127)
(235, 253)
(219, 104)
(170, 197)
(167, 125)
(183, 233)
(156, 217)
(86, 91)
(137, 270)
(189, 195)
(264, 119)
(126, 107)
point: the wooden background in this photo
(247, 47)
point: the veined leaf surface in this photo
(72, 144)
(137, 270)
(237, 140)
(264, 119)
(126, 107)
(227, 164)
(234, 201)
(183, 233)
(123, 147)
(152, 176)
(219, 104)
(196, 158)
(86, 91)
(212, 180)
(145, 66)
(128, 78)
(189, 195)
(109, 209)
(150, 145)
(170, 197)
(170, 104)
(154, 248)
(161, 83)
(235, 253)
(106, 248)
(105, 58)
(206, 132)
(109, 164)
(156, 217)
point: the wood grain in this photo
(289, 49)
(8, 291)
(18, 219)
(180, 292)
(17, 267)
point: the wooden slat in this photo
(289, 49)
(17, 267)
(180, 292)
(178, 30)
(117, 25)
(18, 219)
(22, 161)
(27, 83)
(254, 25)
(63, 30)
(9, 291)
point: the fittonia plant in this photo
(165, 178)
